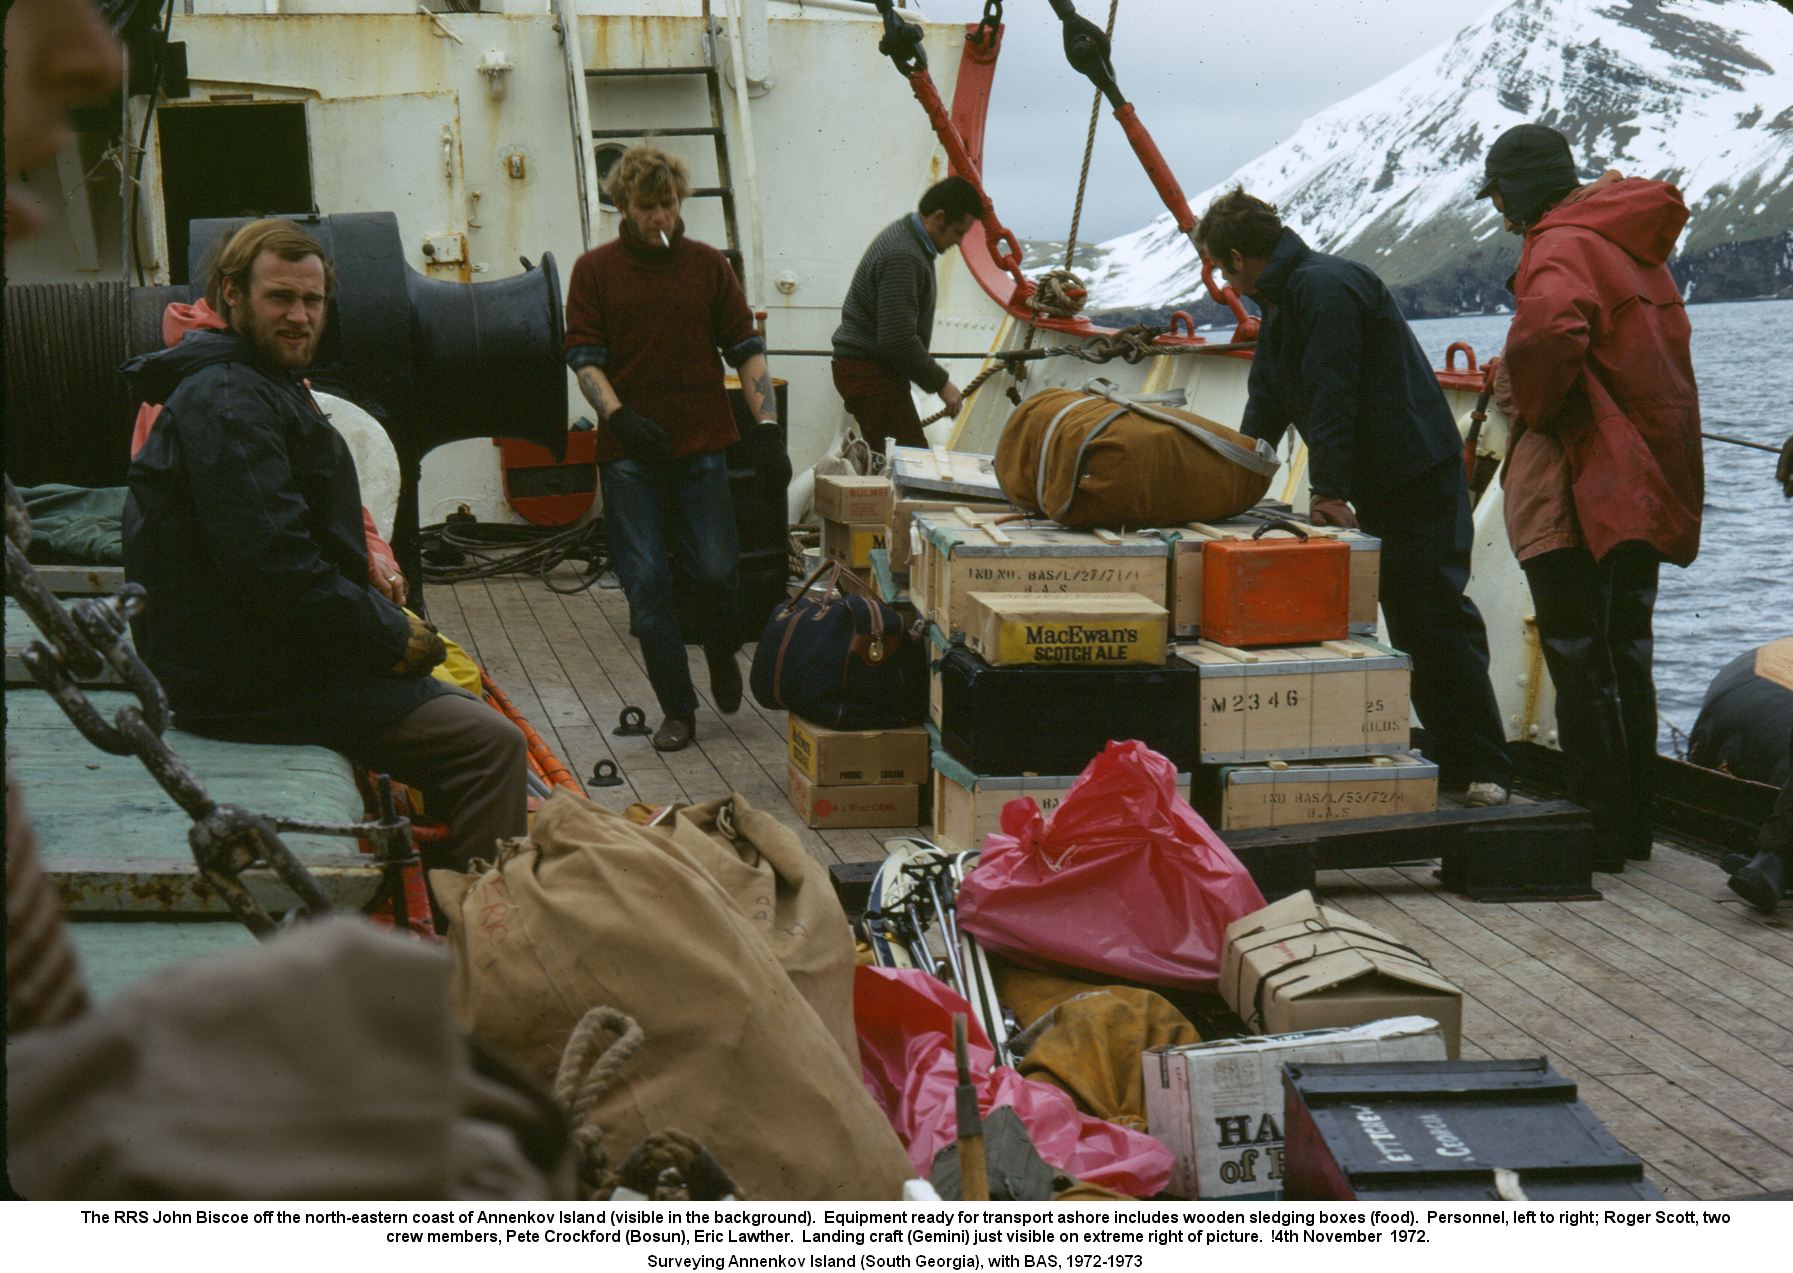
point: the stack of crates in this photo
(841, 778)
(1048, 643)
(1304, 715)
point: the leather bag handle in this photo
(1280, 524)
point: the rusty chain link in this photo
(91, 634)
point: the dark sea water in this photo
(1739, 593)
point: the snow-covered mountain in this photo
(1699, 92)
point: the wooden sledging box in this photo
(901, 540)
(937, 481)
(1449, 1130)
(1066, 630)
(1218, 1104)
(942, 473)
(1279, 793)
(968, 806)
(1307, 702)
(1186, 569)
(1018, 720)
(961, 555)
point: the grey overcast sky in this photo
(1218, 82)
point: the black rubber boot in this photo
(725, 679)
(1762, 881)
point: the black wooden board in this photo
(1505, 848)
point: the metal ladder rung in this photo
(712, 192)
(611, 133)
(618, 72)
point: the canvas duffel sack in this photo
(723, 940)
(1095, 457)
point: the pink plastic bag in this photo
(905, 1023)
(1126, 879)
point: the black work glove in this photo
(641, 439)
(770, 460)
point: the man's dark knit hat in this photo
(1531, 155)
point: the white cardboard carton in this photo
(1219, 1106)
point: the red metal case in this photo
(1276, 591)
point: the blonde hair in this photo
(235, 260)
(647, 175)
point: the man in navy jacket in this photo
(1336, 360)
(244, 523)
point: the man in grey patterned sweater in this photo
(881, 345)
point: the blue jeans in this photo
(653, 514)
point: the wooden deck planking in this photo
(1592, 980)
(1695, 1092)
(599, 671)
(591, 644)
(1692, 888)
(1729, 1077)
(1506, 1020)
(579, 688)
(1668, 1002)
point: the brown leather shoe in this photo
(675, 733)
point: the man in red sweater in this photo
(646, 316)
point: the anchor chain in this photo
(91, 634)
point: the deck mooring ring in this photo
(631, 723)
(606, 774)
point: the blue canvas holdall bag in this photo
(841, 660)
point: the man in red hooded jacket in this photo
(1604, 474)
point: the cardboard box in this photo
(845, 757)
(1185, 601)
(968, 806)
(976, 554)
(851, 545)
(1280, 794)
(1219, 1106)
(1066, 630)
(1300, 702)
(863, 805)
(852, 499)
(1297, 965)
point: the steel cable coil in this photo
(68, 410)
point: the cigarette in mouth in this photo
(664, 241)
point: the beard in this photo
(271, 340)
